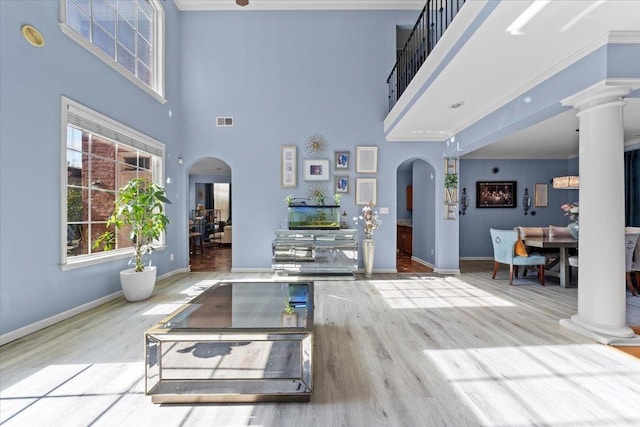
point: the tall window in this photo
(127, 34)
(100, 156)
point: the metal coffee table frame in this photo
(185, 364)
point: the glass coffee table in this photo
(235, 342)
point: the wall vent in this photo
(224, 121)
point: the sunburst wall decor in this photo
(316, 145)
(317, 193)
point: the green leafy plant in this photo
(139, 205)
(451, 181)
(288, 309)
(336, 198)
(288, 200)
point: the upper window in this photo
(100, 156)
(127, 34)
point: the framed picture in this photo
(496, 194)
(367, 159)
(316, 170)
(541, 197)
(366, 191)
(289, 166)
(342, 184)
(341, 160)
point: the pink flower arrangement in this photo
(572, 210)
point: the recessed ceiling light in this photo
(456, 105)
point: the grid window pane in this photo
(126, 59)
(144, 73)
(144, 52)
(127, 9)
(84, 5)
(104, 41)
(102, 203)
(144, 26)
(78, 20)
(129, 22)
(104, 14)
(145, 7)
(96, 168)
(126, 34)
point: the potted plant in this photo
(139, 205)
(289, 316)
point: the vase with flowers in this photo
(370, 222)
(572, 210)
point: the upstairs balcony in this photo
(429, 28)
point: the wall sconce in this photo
(526, 201)
(464, 202)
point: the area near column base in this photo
(601, 333)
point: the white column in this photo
(601, 284)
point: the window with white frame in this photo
(127, 34)
(100, 156)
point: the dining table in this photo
(563, 244)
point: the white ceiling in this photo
(558, 35)
(495, 66)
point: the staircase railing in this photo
(432, 23)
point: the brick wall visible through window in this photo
(97, 166)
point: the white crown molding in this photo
(219, 5)
(624, 37)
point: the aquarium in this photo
(314, 217)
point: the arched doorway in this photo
(209, 211)
(415, 216)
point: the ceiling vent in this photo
(224, 121)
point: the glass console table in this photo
(332, 252)
(235, 342)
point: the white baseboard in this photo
(34, 327)
(423, 262)
(173, 273)
(41, 324)
(446, 270)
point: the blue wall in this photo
(475, 225)
(425, 208)
(283, 77)
(32, 81)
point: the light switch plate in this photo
(384, 211)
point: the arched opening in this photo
(209, 208)
(415, 216)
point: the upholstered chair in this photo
(632, 257)
(504, 247)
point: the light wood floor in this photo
(397, 350)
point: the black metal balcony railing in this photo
(432, 23)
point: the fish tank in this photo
(314, 217)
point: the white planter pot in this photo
(138, 286)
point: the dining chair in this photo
(195, 239)
(504, 243)
(632, 259)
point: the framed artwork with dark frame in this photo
(342, 184)
(289, 163)
(541, 196)
(341, 160)
(316, 170)
(366, 191)
(496, 194)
